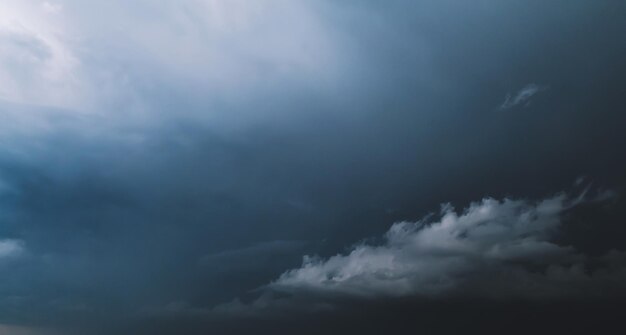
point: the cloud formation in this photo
(492, 249)
(183, 153)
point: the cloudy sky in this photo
(311, 166)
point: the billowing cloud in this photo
(522, 97)
(492, 249)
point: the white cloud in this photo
(522, 97)
(493, 249)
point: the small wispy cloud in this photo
(522, 97)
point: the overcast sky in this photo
(311, 166)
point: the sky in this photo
(312, 166)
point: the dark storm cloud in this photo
(196, 150)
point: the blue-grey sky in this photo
(213, 166)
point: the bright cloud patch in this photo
(492, 249)
(37, 65)
(10, 247)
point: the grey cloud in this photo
(492, 249)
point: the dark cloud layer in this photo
(193, 151)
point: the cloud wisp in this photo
(522, 97)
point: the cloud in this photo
(522, 97)
(10, 247)
(52, 8)
(96, 198)
(492, 249)
(57, 54)
(38, 64)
